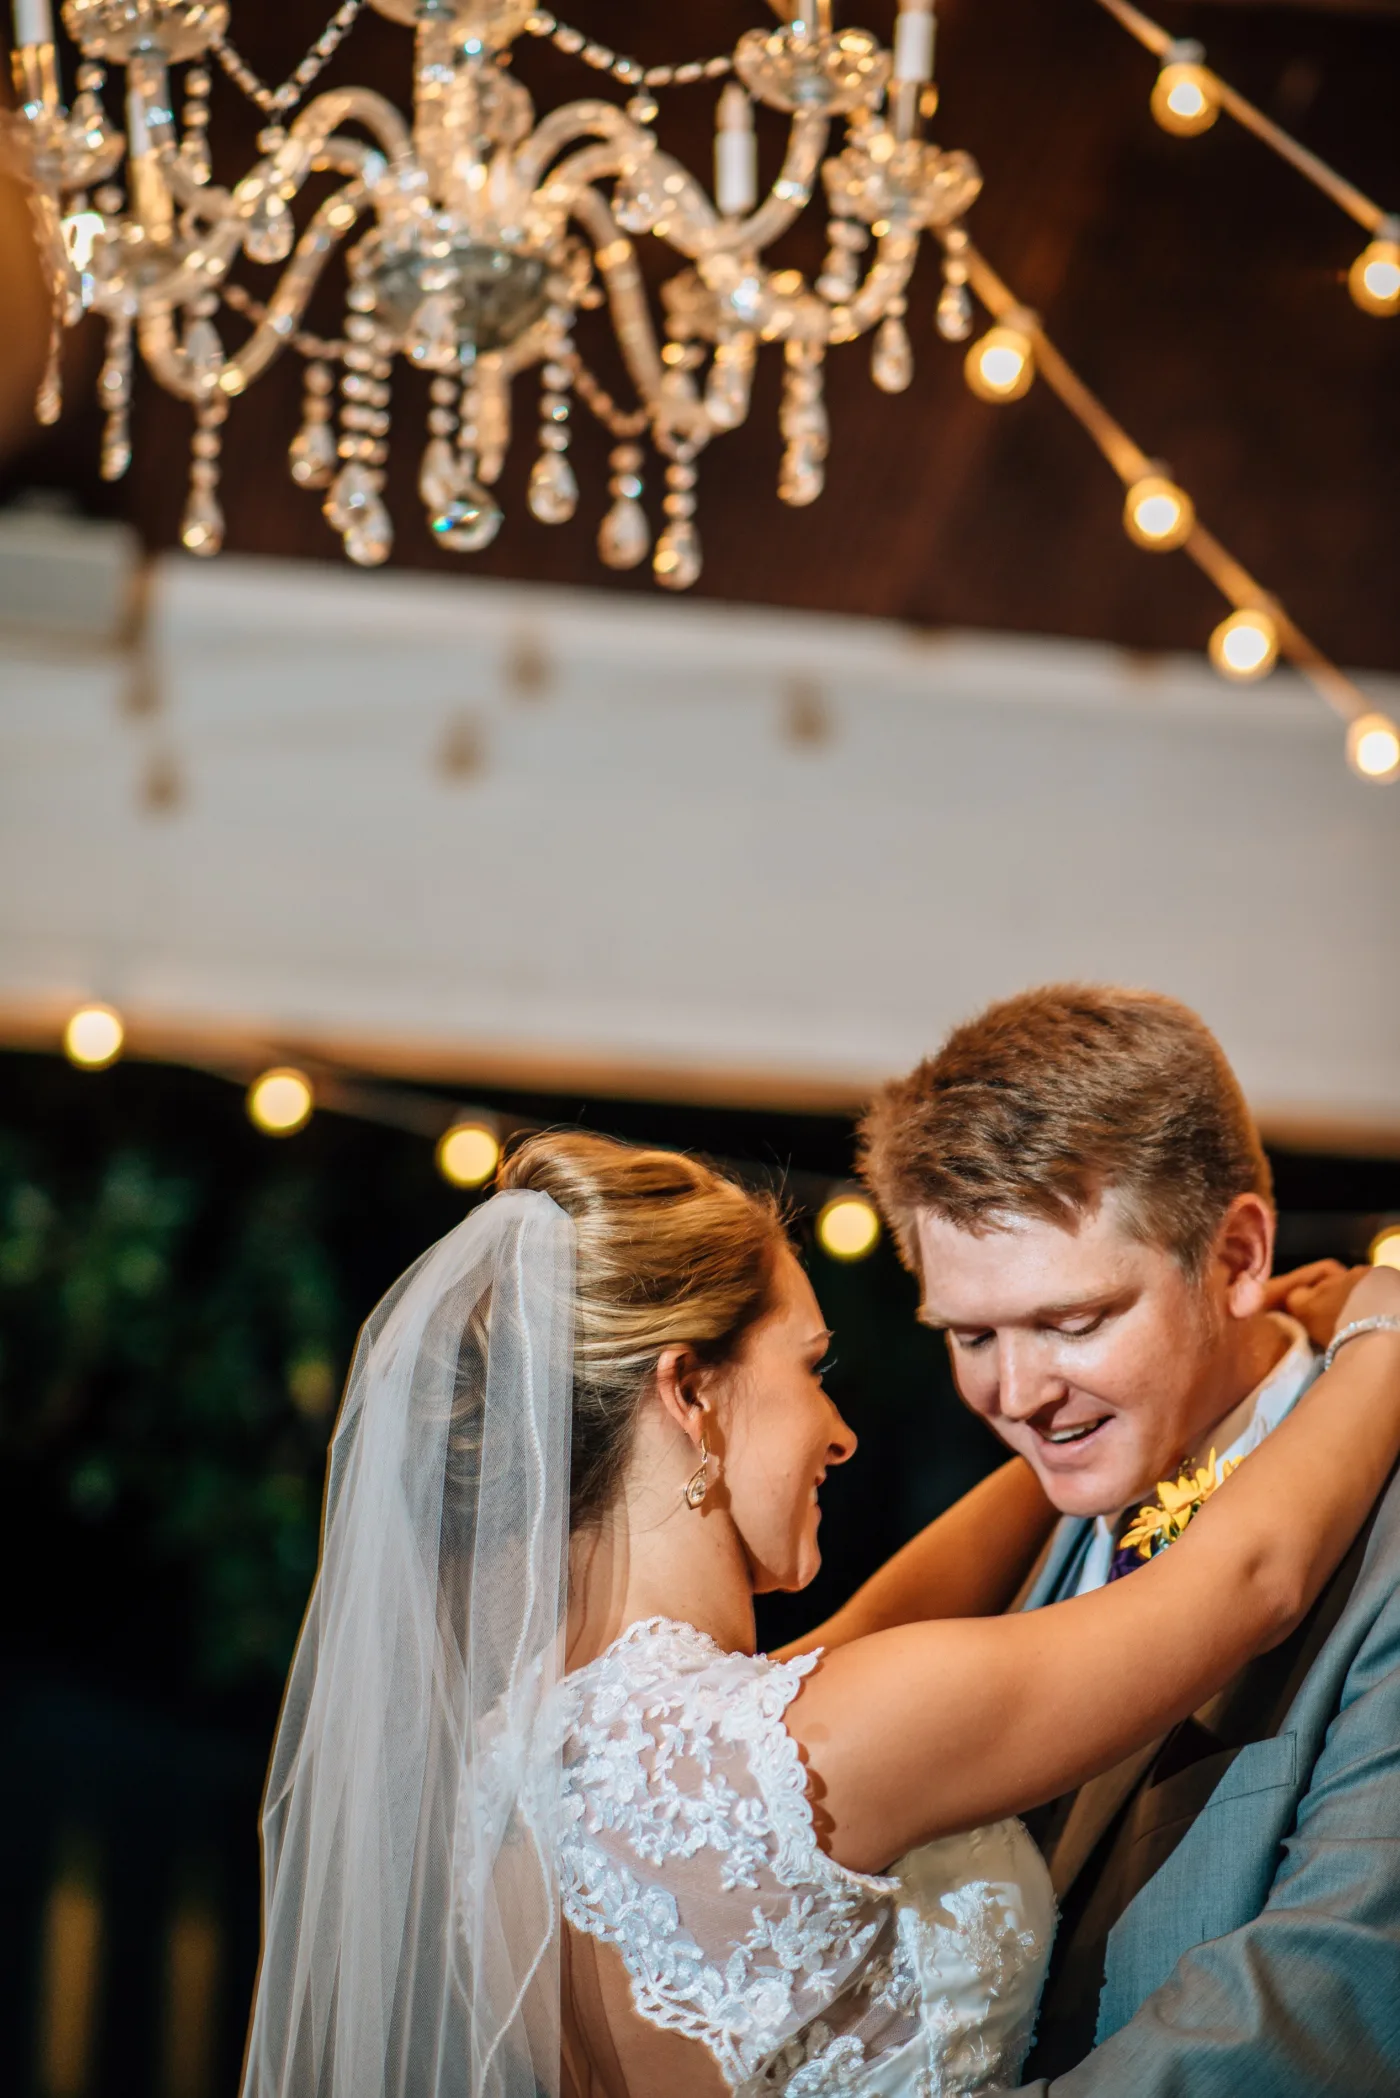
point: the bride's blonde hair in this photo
(668, 1252)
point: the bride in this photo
(540, 1820)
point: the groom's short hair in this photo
(1047, 1102)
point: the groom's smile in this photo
(1090, 1352)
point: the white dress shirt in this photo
(1242, 1430)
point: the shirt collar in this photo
(1241, 1431)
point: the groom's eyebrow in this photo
(1070, 1309)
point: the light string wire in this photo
(1353, 201)
(1131, 464)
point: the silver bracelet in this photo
(1379, 1324)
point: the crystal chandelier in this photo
(473, 235)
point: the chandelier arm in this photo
(574, 120)
(895, 256)
(791, 192)
(345, 105)
(332, 221)
(1131, 463)
(616, 260)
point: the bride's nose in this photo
(843, 1443)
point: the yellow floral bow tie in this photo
(1159, 1523)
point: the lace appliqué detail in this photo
(677, 1748)
(684, 1837)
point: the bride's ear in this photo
(1244, 1246)
(678, 1377)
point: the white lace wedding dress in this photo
(685, 1839)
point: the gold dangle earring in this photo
(698, 1484)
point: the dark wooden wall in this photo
(1197, 284)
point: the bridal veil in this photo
(410, 1910)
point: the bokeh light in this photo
(848, 1227)
(468, 1154)
(93, 1037)
(280, 1102)
(1245, 646)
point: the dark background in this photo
(178, 1300)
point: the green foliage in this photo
(170, 1356)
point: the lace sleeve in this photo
(687, 1842)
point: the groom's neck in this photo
(1249, 1350)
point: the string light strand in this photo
(1353, 201)
(1133, 467)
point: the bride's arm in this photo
(916, 1732)
(970, 1562)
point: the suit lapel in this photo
(1095, 1805)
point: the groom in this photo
(1077, 1184)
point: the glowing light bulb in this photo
(1245, 646)
(848, 1227)
(1385, 1247)
(468, 1154)
(1374, 277)
(1000, 365)
(1158, 514)
(280, 1102)
(1373, 747)
(93, 1037)
(1183, 99)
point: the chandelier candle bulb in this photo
(93, 1037)
(1245, 645)
(913, 42)
(33, 23)
(1000, 365)
(736, 153)
(1373, 747)
(1157, 514)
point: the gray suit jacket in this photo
(1232, 1896)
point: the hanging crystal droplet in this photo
(431, 340)
(954, 316)
(91, 135)
(469, 522)
(624, 535)
(205, 352)
(202, 526)
(370, 538)
(269, 232)
(439, 474)
(676, 562)
(802, 476)
(892, 360)
(312, 455)
(553, 489)
(48, 402)
(348, 495)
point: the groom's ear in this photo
(1244, 1254)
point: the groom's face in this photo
(1090, 1354)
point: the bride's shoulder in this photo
(678, 1745)
(664, 1670)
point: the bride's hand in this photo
(1374, 1293)
(1315, 1295)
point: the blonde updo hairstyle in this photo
(668, 1253)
